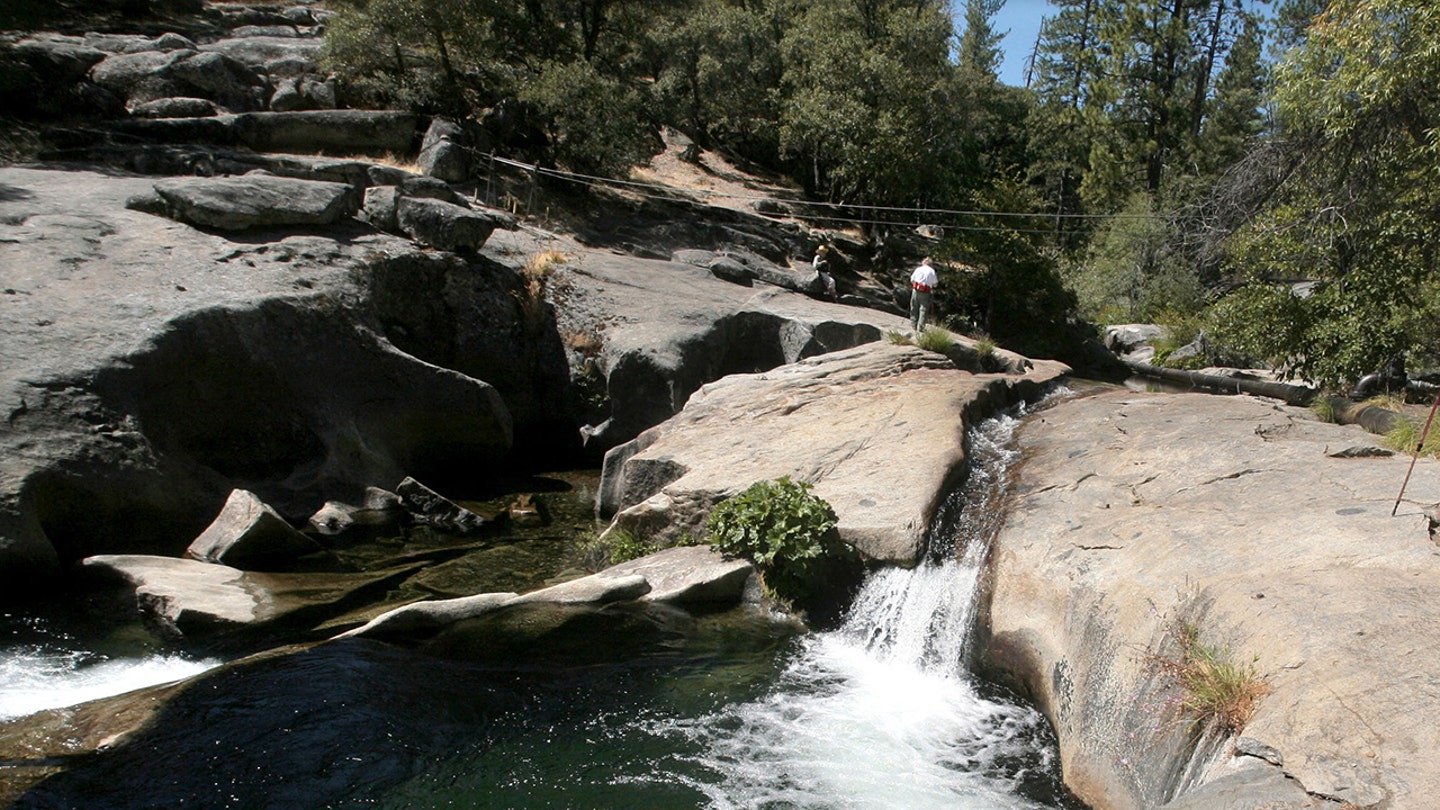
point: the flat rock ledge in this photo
(687, 575)
(879, 430)
(1135, 512)
(180, 598)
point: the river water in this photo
(652, 707)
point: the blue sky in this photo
(1022, 19)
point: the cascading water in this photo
(883, 713)
(44, 667)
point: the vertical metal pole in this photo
(490, 183)
(1414, 458)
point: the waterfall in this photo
(883, 713)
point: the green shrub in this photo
(897, 337)
(783, 528)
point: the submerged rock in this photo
(429, 508)
(379, 508)
(689, 575)
(188, 599)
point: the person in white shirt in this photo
(922, 293)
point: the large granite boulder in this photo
(147, 369)
(251, 201)
(330, 131)
(656, 331)
(443, 224)
(1136, 513)
(149, 75)
(443, 153)
(249, 535)
(878, 430)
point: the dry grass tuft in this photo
(1216, 692)
(531, 294)
(588, 344)
(543, 264)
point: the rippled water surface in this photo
(625, 707)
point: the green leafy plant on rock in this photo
(782, 527)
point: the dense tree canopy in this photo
(1355, 206)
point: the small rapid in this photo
(730, 709)
(883, 712)
(46, 668)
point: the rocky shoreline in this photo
(241, 364)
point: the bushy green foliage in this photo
(594, 122)
(783, 528)
(1003, 280)
(1133, 271)
(1354, 205)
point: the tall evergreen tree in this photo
(980, 43)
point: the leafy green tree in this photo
(1356, 208)
(595, 124)
(718, 72)
(868, 101)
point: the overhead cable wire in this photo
(603, 182)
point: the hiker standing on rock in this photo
(922, 293)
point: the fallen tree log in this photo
(1215, 383)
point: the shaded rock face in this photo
(149, 369)
(1133, 513)
(471, 320)
(150, 75)
(226, 391)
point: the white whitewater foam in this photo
(34, 678)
